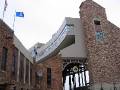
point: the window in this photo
(14, 88)
(36, 78)
(99, 36)
(4, 58)
(21, 68)
(31, 66)
(97, 25)
(49, 77)
(67, 28)
(27, 71)
(96, 22)
(14, 62)
(98, 30)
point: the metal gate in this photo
(75, 77)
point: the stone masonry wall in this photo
(103, 57)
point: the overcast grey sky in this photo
(44, 17)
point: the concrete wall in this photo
(78, 48)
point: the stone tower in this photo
(101, 45)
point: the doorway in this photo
(75, 77)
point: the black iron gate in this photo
(76, 75)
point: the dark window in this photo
(14, 88)
(96, 22)
(27, 71)
(36, 77)
(21, 68)
(31, 72)
(49, 77)
(97, 26)
(21, 88)
(14, 62)
(4, 58)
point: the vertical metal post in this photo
(114, 86)
(64, 80)
(85, 76)
(70, 82)
(79, 78)
(73, 81)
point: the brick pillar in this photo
(104, 73)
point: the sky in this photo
(42, 18)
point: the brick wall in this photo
(55, 63)
(9, 80)
(6, 40)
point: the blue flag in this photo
(19, 14)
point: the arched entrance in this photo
(75, 76)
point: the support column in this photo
(85, 76)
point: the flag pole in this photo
(14, 21)
(5, 6)
(17, 14)
(3, 14)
